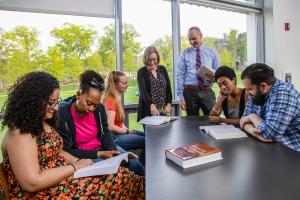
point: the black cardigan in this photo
(145, 99)
(67, 130)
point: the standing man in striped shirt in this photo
(193, 91)
(273, 109)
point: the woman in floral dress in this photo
(34, 162)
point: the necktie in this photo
(198, 59)
(198, 65)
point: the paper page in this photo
(223, 131)
(157, 120)
(223, 126)
(107, 166)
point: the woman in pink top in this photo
(83, 123)
(116, 84)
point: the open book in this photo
(107, 166)
(221, 132)
(193, 155)
(206, 73)
(157, 120)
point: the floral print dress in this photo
(158, 90)
(122, 185)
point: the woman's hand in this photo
(107, 154)
(221, 97)
(168, 108)
(82, 163)
(215, 119)
(154, 110)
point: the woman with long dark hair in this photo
(34, 161)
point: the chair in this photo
(4, 192)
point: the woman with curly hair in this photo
(231, 99)
(34, 162)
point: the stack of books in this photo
(193, 155)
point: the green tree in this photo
(2, 58)
(232, 40)
(164, 46)
(107, 50)
(184, 43)
(75, 43)
(210, 42)
(226, 58)
(94, 62)
(54, 62)
(74, 40)
(73, 68)
(242, 48)
(23, 52)
(131, 48)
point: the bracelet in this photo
(73, 167)
(215, 111)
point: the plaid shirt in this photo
(280, 115)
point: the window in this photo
(62, 45)
(145, 23)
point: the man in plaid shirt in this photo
(273, 109)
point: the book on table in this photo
(103, 167)
(193, 155)
(224, 131)
(157, 120)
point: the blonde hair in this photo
(148, 51)
(112, 79)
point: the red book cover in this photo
(193, 151)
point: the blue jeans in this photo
(132, 142)
(133, 164)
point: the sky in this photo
(151, 18)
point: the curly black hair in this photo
(91, 79)
(225, 71)
(27, 101)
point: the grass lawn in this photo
(130, 97)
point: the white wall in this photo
(283, 47)
(268, 31)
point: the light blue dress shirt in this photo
(186, 68)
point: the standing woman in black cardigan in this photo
(154, 86)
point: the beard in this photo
(259, 98)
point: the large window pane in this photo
(145, 23)
(62, 45)
(59, 44)
(225, 31)
(228, 38)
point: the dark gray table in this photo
(250, 170)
